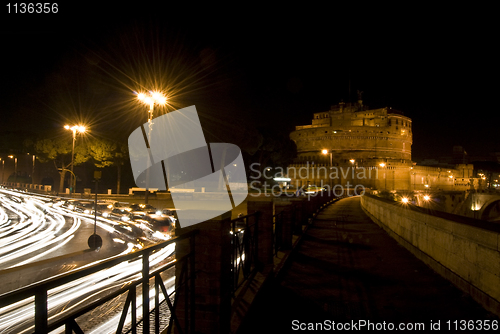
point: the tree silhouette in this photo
(59, 151)
(106, 153)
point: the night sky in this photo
(252, 66)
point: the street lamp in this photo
(74, 129)
(151, 99)
(33, 171)
(325, 151)
(15, 169)
(385, 178)
(154, 97)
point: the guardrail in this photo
(39, 292)
(278, 232)
(244, 248)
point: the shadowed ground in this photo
(347, 268)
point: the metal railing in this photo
(278, 232)
(39, 292)
(244, 249)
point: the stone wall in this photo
(354, 133)
(463, 250)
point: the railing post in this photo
(41, 315)
(263, 205)
(212, 303)
(145, 293)
(284, 205)
(300, 214)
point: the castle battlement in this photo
(352, 131)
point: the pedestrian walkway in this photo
(347, 268)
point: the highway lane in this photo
(33, 228)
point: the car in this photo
(164, 224)
(311, 189)
(69, 204)
(84, 207)
(122, 214)
(104, 209)
(143, 211)
(148, 208)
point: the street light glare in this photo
(152, 98)
(324, 151)
(157, 96)
(76, 128)
(162, 100)
(404, 200)
(381, 164)
(427, 197)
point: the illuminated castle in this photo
(371, 146)
(352, 131)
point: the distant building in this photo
(352, 131)
(351, 144)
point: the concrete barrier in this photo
(461, 249)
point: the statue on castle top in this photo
(359, 95)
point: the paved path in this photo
(347, 268)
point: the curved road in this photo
(39, 238)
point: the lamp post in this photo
(74, 129)
(95, 241)
(385, 178)
(15, 169)
(33, 171)
(3, 167)
(325, 151)
(151, 99)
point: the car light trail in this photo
(32, 227)
(61, 299)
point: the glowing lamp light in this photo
(352, 161)
(382, 165)
(404, 200)
(324, 151)
(282, 179)
(155, 97)
(427, 197)
(76, 128)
